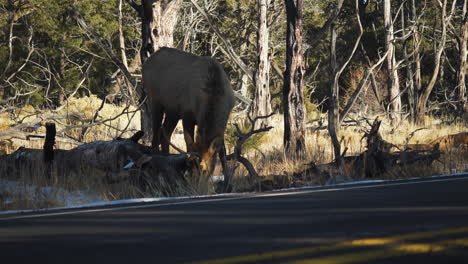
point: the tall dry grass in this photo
(270, 160)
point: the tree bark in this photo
(262, 99)
(461, 74)
(293, 94)
(394, 99)
(416, 47)
(409, 80)
(333, 100)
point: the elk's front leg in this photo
(157, 113)
(189, 132)
(170, 122)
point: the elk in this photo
(193, 88)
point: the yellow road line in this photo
(374, 254)
(395, 251)
(351, 244)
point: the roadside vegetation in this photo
(29, 187)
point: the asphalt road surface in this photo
(405, 222)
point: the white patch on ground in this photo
(59, 195)
(83, 199)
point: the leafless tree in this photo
(334, 119)
(261, 104)
(439, 46)
(462, 67)
(394, 98)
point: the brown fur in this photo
(195, 89)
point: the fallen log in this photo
(115, 161)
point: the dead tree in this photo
(242, 138)
(378, 158)
(237, 154)
(334, 119)
(394, 99)
(293, 94)
(462, 61)
(261, 104)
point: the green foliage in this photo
(253, 142)
(61, 47)
(313, 113)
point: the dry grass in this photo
(269, 159)
(265, 152)
(33, 186)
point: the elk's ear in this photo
(191, 147)
(215, 144)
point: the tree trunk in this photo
(333, 103)
(414, 82)
(293, 94)
(461, 82)
(416, 47)
(394, 98)
(118, 88)
(123, 54)
(409, 80)
(262, 99)
(61, 77)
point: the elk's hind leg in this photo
(226, 172)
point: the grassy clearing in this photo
(264, 151)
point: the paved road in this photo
(425, 222)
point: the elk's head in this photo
(207, 151)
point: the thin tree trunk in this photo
(333, 103)
(416, 58)
(293, 94)
(61, 76)
(334, 114)
(394, 98)
(262, 98)
(244, 80)
(416, 47)
(461, 75)
(409, 81)
(118, 88)
(123, 54)
(5, 87)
